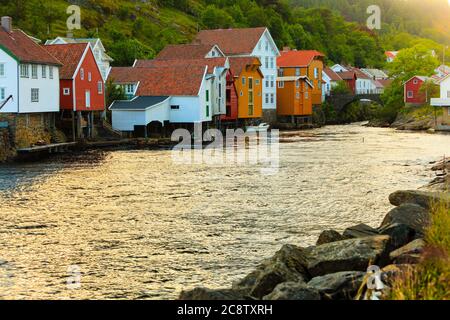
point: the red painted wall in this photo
(81, 86)
(351, 85)
(66, 102)
(418, 97)
(232, 99)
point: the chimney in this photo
(7, 24)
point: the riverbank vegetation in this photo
(431, 279)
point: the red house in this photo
(350, 79)
(231, 100)
(412, 93)
(82, 92)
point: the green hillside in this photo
(140, 28)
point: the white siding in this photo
(9, 82)
(48, 92)
(445, 88)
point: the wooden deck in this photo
(50, 148)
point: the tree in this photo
(214, 18)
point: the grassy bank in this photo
(431, 279)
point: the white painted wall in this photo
(445, 88)
(365, 86)
(266, 49)
(9, 82)
(338, 68)
(48, 92)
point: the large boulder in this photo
(360, 231)
(338, 286)
(287, 265)
(424, 199)
(347, 255)
(329, 236)
(409, 254)
(293, 291)
(400, 234)
(412, 215)
(210, 295)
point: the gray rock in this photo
(409, 254)
(293, 291)
(210, 295)
(400, 234)
(288, 265)
(424, 199)
(347, 255)
(329, 236)
(359, 231)
(412, 215)
(338, 286)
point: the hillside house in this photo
(444, 101)
(413, 95)
(330, 80)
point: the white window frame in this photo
(280, 84)
(297, 72)
(50, 72)
(267, 98)
(34, 71)
(267, 62)
(297, 83)
(66, 91)
(82, 74)
(415, 81)
(306, 95)
(89, 76)
(34, 95)
(44, 71)
(24, 71)
(128, 87)
(272, 98)
(100, 87)
(410, 94)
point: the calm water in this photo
(137, 225)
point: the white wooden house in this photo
(444, 101)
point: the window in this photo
(448, 94)
(2, 69)
(297, 84)
(34, 95)
(66, 91)
(207, 95)
(129, 89)
(271, 63)
(267, 82)
(50, 72)
(410, 94)
(257, 82)
(175, 107)
(267, 62)
(82, 74)
(88, 99)
(281, 72)
(100, 87)
(44, 71)
(243, 81)
(306, 95)
(272, 98)
(89, 76)
(267, 45)
(207, 111)
(2, 94)
(297, 95)
(242, 94)
(416, 81)
(316, 73)
(267, 98)
(24, 72)
(280, 84)
(297, 72)
(34, 71)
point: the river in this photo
(133, 224)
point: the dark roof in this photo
(139, 103)
(70, 55)
(23, 48)
(232, 41)
(183, 51)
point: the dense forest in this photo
(139, 29)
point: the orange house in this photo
(309, 63)
(294, 95)
(248, 81)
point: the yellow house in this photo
(307, 63)
(249, 85)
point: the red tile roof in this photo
(211, 63)
(385, 82)
(359, 73)
(70, 55)
(172, 81)
(185, 51)
(391, 54)
(238, 64)
(298, 58)
(122, 75)
(232, 41)
(22, 47)
(331, 74)
(347, 75)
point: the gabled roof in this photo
(187, 51)
(232, 41)
(124, 75)
(331, 74)
(211, 63)
(24, 49)
(347, 75)
(70, 55)
(359, 73)
(238, 64)
(183, 80)
(377, 73)
(391, 54)
(421, 78)
(138, 103)
(298, 58)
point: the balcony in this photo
(439, 102)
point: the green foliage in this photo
(340, 88)
(113, 92)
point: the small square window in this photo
(410, 94)
(66, 91)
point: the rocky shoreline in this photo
(336, 268)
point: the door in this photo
(88, 99)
